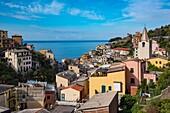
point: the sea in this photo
(67, 49)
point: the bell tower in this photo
(144, 46)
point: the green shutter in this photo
(103, 88)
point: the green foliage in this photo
(126, 103)
(144, 85)
(163, 81)
(163, 31)
(115, 39)
(8, 75)
(152, 67)
(158, 106)
(136, 108)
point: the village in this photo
(95, 82)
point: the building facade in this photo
(72, 93)
(17, 39)
(50, 96)
(19, 59)
(159, 62)
(48, 54)
(8, 97)
(31, 94)
(113, 79)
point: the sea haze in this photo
(67, 49)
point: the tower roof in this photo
(144, 35)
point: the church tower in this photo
(144, 46)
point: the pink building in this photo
(155, 45)
(135, 70)
(150, 77)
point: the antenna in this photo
(144, 25)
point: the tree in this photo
(115, 39)
(144, 85)
(126, 103)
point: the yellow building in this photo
(159, 62)
(8, 97)
(108, 80)
(47, 53)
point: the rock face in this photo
(165, 93)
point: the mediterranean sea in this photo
(67, 49)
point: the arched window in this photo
(143, 44)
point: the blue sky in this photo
(81, 19)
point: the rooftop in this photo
(36, 110)
(4, 87)
(119, 48)
(120, 68)
(66, 74)
(74, 86)
(99, 100)
(50, 88)
(18, 50)
(63, 109)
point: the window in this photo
(143, 44)
(117, 86)
(23, 96)
(132, 80)
(160, 62)
(156, 62)
(136, 54)
(151, 80)
(63, 97)
(60, 85)
(103, 88)
(110, 88)
(48, 97)
(131, 70)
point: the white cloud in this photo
(92, 15)
(11, 5)
(147, 11)
(52, 8)
(85, 13)
(74, 11)
(21, 15)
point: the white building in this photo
(144, 49)
(19, 59)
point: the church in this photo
(143, 47)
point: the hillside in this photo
(162, 31)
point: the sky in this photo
(81, 19)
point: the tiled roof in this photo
(160, 49)
(75, 86)
(120, 48)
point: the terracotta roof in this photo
(119, 48)
(160, 49)
(75, 86)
